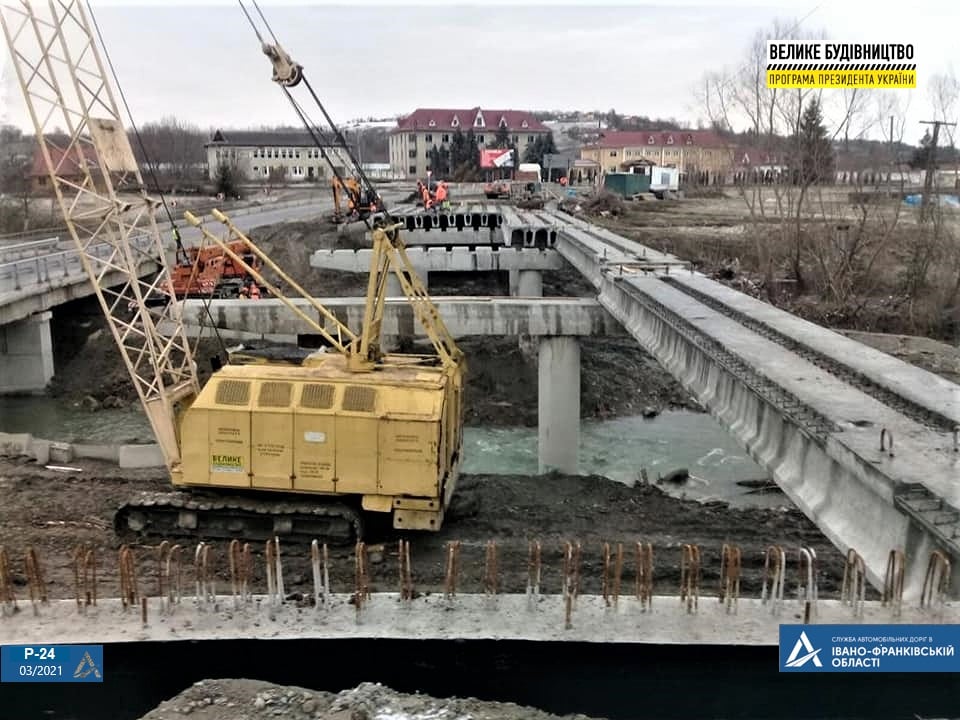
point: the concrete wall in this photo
(53, 452)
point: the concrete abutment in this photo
(26, 355)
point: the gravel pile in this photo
(253, 699)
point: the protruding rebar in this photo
(774, 572)
(644, 559)
(853, 590)
(128, 577)
(807, 589)
(163, 550)
(730, 565)
(7, 595)
(571, 580)
(321, 573)
(274, 572)
(361, 578)
(406, 573)
(174, 580)
(690, 576)
(452, 569)
(35, 582)
(490, 573)
(893, 582)
(936, 581)
(534, 570)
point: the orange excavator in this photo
(358, 205)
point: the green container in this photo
(626, 184)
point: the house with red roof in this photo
(692, 151)
(417, 133)
(67, 166)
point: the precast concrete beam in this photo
(558, 404)
(463, 316)
(438, 259)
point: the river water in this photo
(616, 448)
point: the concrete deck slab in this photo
(922, 387)
(467, 617)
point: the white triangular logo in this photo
(86, 667)
(803, 645)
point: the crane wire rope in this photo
(311, 127)
(146, 157)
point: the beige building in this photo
(417, 133)
(256, 154)
(691, 151)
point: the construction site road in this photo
(54, 511)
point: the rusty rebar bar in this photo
(319, 560)
(808, 591)
(7, 596)
(644, 560)
(361, 578)
(936, 581)
(774, 572)
(128, 577)
(35, 582)
(452, 569)
(274, 572)
(406, 572)
(534, 570)
(893, 582)
(174, 582)
(690, 576)
(491, 575)
(204, 574)
(853, 589)
(730, 568)
(162, 550)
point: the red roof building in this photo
(700, 151)
(68, 167)
(417, 133)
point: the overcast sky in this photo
(202, 62)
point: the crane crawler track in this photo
(179, 514)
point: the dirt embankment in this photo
(54, 511)
(231, 699)
(617, 377)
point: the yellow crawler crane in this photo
(300, 450)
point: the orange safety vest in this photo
(441, 193)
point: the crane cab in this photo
(389, 439)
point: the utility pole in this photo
(931, 163)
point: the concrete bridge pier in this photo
(526, 283)
(559, 404)
(26, 355)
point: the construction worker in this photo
(244, 292)
(442, 195)
(427, 200)
(254, 291)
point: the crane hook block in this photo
(285, 70)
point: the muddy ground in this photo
(55, 511)
(236, 699)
